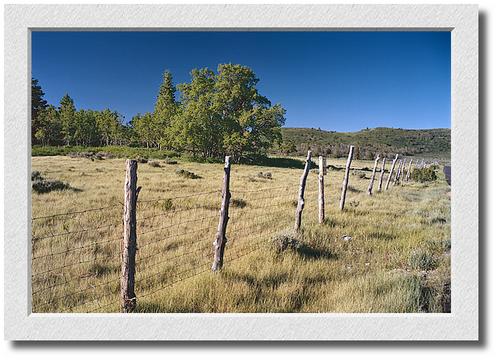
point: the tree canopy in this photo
(217, 113)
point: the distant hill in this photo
(430, 143)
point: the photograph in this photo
(236, 171)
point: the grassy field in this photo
(386, 253)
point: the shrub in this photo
(424, 175)
(45, 186)
(36, 175)
(285, 240)
(422, 260)
(238, 203)
(142, 160)
(167, 205)
(170, 161)
(187, 174)
(154, 164)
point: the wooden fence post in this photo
(372, 178)
(221, 239)
(396, 178)
(346, 178)
(321, 196)
(391, 171)
(409, 170)
(382, 174)
(402, 172)
(300, 195)
(129, 245)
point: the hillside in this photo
(428, 143)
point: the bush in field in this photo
(167, 205)
(170, 161)
(36, 175)
(40, 185)
(424, 174)
(238, 203)
(187, 174)
(285, 240)
(422, 260)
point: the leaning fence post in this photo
(402, 171)
(382, 174)
(372, 178)
(409, 170)
(321, 196)
(129, 246)
(300, 195)
(221, 239)
(346, 178)
(391, 171)
(399, 172)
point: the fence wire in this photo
(76, 256)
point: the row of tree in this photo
(216, 114)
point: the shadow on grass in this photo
(312, 253)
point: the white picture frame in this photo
(461, 324)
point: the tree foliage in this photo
(38, 104)
(217, 114)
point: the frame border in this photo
(461, 324)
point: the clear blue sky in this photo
(341, 81)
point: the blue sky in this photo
(342, 81)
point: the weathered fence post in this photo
(391, 171)
(372, 178)
(409, 170)
(321, 196)
(382, 174)
(402, 172)
(396, 178)
(129, 246)
(221, 239)
(346, 178)
(300, 195)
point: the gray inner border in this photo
(461, 324)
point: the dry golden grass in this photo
(396, 261)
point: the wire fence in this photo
(77, 256)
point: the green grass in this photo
(397, 260)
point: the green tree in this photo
(165, 110)
(38, 104)
(198, 126)
(252, 123)
(85, 128)
(109, 127)
(50, 130)
(144, 128)
(67, 111)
